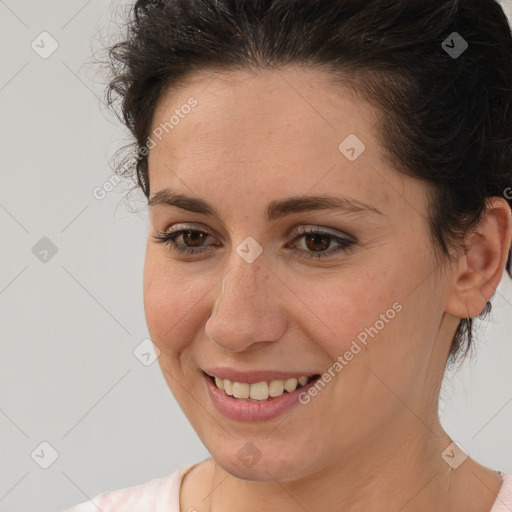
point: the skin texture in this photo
(372, 435)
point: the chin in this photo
(262, 470)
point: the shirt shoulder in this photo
(156, 495)
(503, 501)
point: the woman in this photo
(329, 188)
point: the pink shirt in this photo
(162, 495)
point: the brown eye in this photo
(317, 242)
(194, 238)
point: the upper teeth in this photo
(259, 390)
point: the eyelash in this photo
(169, 239)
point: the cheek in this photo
(157, 299)
(341, 310)
(173, 303)
(368, 318)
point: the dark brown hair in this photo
(447, 117)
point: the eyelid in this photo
(191, 226)
(308, 228)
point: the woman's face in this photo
(256, 296)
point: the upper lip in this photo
(251, 377)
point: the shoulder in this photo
(147, 496)
(503, 501)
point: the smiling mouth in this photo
(260, 391)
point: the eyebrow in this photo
(275, 210)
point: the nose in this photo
(247, 312)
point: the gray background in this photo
(70, 324)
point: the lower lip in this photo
(243, 410)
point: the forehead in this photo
(291, 104)
(291, 115)
(275, 130)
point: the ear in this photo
(480, 269)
